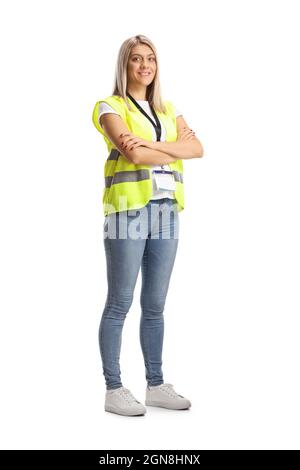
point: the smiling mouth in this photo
(144, 74)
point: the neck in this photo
(137, 92)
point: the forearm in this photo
(148, 156)
(180, 149)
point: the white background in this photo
(232, 312)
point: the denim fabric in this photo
(145, 238)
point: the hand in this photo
(186, 134)
(130, 141)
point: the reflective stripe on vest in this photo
(126, 177)
(114, 154)
(133, 176)
(178, 176)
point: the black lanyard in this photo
(156, 124)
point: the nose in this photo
(143, 64)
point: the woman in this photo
(147, 139)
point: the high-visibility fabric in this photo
(129, 186)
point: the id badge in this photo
(164, 181)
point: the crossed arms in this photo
(140, 151)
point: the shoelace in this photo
(127, 395)
(168, 388)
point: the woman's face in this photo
(141, 67)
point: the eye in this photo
(151, 58)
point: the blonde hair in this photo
(153, 92)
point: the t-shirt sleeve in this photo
(111, 104)
(104, 108)
(177, 112)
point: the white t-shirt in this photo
(157, 193)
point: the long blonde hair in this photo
(153, 92)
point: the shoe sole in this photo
(161, 405)
(123, 413)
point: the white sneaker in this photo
(121, 401)
(165, 396)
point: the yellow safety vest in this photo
(129, 186)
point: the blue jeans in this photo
(133, 241)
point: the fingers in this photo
(125, 136)
(132, 141)
(129, 143)
(126, 140)
(134, 145)
(185, 130)
(137, 143)
(186, 134)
